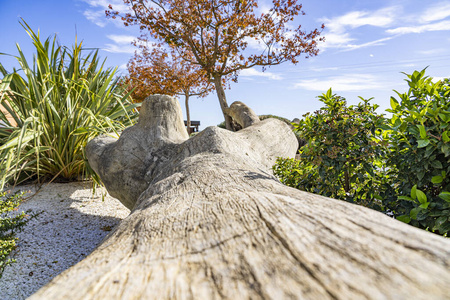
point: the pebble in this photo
(72, 223)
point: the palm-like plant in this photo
(62, 101)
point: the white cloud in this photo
(123, 67)
(337, 33)
(439, 26)
(96, 13)
(96, 17)
(263, 8)
(121, 39)
(116, 4)
(122, 44)
(253, 73)
(368, 44)
(335, 40)
(340, 30)
(437, 12)
(436, 79)
(380, 18)
(433, 18)
(432, 51)
(119, 48)
(325, 69)
(351, 82)
(256, 44)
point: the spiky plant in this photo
(59, 102)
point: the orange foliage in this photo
(155, 71)
(215, 34)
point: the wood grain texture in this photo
(242, 114)
(215, 224)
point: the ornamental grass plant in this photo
(60, 101)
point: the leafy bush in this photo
(399, 165)
(419, 153)
(63, 101)
(288, 171)
(9, 225)
(344, 150)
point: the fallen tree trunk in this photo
(241, 114)
(210, 221)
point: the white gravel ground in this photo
(72, 224)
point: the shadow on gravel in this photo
(71, 224)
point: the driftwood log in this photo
(241, 114)
(210, 221)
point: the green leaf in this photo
(404, 218)
(394, 103)
(441, 220)
(437, 179)
(420, 175)
(369, 169)
(436, 164)
(445, 117)
(423, 132)
(414, 212)
(445, 137)
(445, 196)
(405, 198)
(413, 192)
(424, 205)
(445, 149)
(378, 197)
(444, 228)
(421, 196)
(422, 143)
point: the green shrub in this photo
(399, 165)
(419, 153)
(288, 171)
(63, 100)
(343, 155)
(9, 225)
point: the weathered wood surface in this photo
(214, 223)
(242, 114)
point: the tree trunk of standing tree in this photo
(209, 221)
(188, 115)
(223, 101)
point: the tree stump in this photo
(210, 221)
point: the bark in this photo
(188, 114)
(223, 101)
(346, 180)
(214, 223)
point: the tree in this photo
(215, 34)
(156, 71)
(209, 221)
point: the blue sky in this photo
(368, 43)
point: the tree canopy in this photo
(215, 34)
(158, 71)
